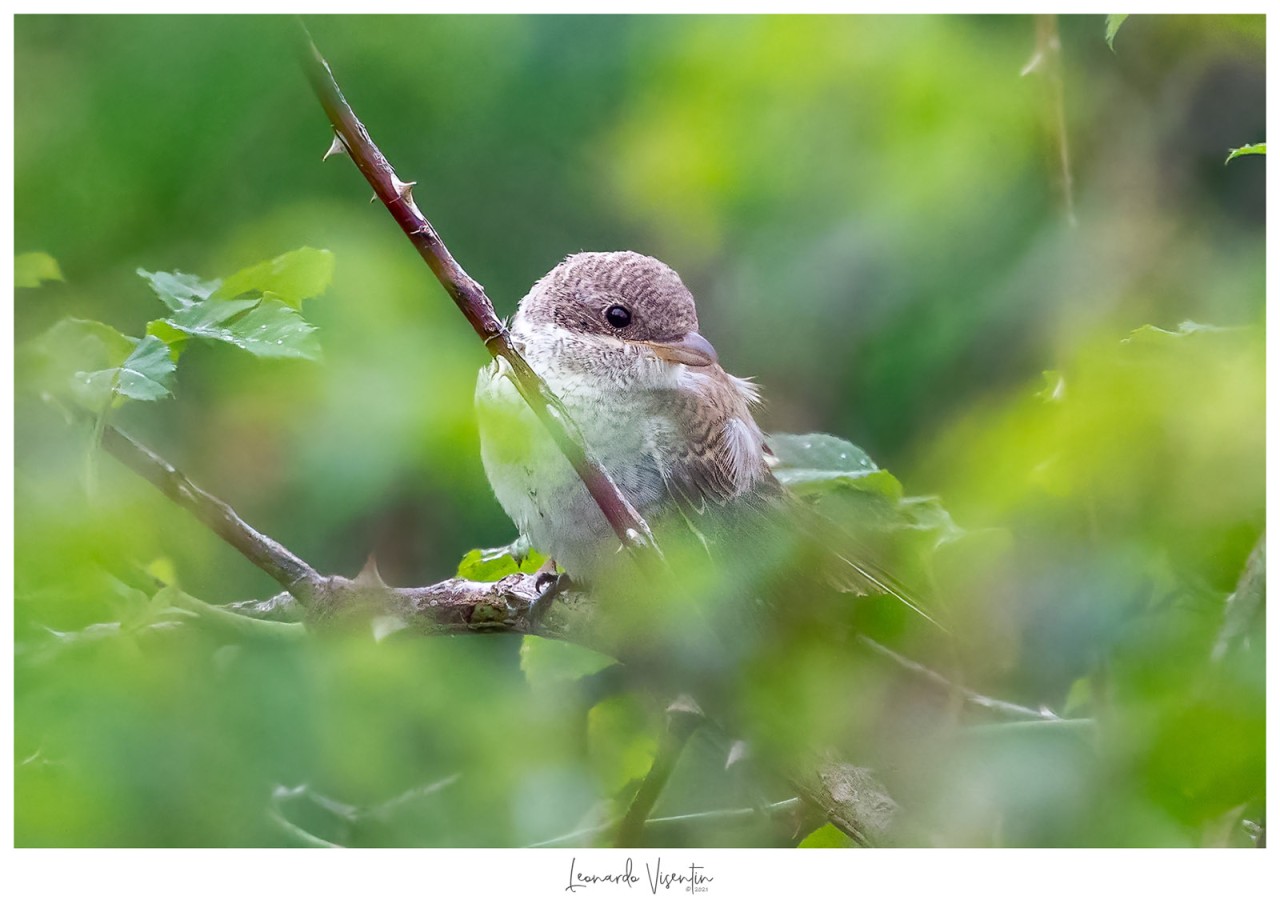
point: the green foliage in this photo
(33, 268)
(1092, 501)
(96, 367)
(500, 561)
(292, 277)
(1113, 26)
(816, 463)
(262, 323)
(1246, 150)
(826, 836)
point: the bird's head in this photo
(618, 309)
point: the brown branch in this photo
(967, 695)
(471, 299)
(848, 795)
(683, 719)
(289, 571)
(852, 799)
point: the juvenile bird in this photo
(616, 337)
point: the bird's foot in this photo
(549, 583)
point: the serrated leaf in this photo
(1246, 150)
(818, 451)
(33, 268)
(547, 663)
(274, 330)
(817, 463)
(826, 836)
(1154, 335)
(621, 742)
(500, 561)
(147, 374)
(174, 338)
(78, 359)
(179, 291)
(1113, 26)
(292, 277)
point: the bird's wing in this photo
(725, 493)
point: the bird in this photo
(616, 337)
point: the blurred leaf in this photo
(1154, 335)
(179, 291)
(1113, 26)
(816, 463)
(92, 363)
(622, 740)
(147, 374)
(1246, 150)
(33, 268)
(292, 277)
(826, 836)
(547, 662)
(500, 561)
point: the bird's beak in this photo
(691, 349)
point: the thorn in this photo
(738, 752)
(385, 625)
(403, 189)
(684, 705)
(374, 198)
(504, 367)
(336, 147)
(369, 575)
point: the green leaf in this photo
(291, 277)
(170, 335)
(96, 365)
(1113, 26)
(816, 463)
(1188, 329)
(264, 325)
(818, 451)
(621, 741)
(77, 359)
(1246, 150)
(546, 662)
(274, 330)
(500, 561)
(179, 291)
(33, 268)
(147, 374)
(826, 836)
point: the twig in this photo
(966, 695)
(470, 297)
(683, 719)
(781, 807)
(1047, 60)
(1245, 603)
(453, 606)
(289, 571)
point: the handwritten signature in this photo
(692, 878)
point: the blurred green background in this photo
(872, 216)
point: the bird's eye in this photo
(618, 316)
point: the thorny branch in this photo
(849, 796)
(352, 138)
